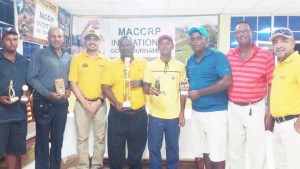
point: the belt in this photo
(285, 118)
(95, 99)
(131, 111)
(92, 100)
(245, 104)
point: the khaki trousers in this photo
(83, 123)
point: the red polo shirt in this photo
(250, 77)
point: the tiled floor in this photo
(71, 162)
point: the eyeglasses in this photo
(166, 67)
(242, 31)
(282, 32)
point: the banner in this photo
(46, 16)
(36, 17)
(145, 32)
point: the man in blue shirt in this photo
(50, 106)
(209, 75)
(13, 116)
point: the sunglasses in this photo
(283, 32)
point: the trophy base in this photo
(126, 105)
(24, 99)
(13, 99)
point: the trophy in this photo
(11, 92)
(24, 98)
(157, 86)
(126, 102)
(184, 87)
(60, 86)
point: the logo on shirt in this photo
(282, 77)
(85, 65)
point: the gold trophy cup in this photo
(126, 102)
(11, 92)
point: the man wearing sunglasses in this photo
(285, 100)
(252, 69)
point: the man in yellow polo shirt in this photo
(85, 78)
(285, 100)
(125, 126)
(162, 80)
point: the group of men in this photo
(235, 98)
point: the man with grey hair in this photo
(285, 100)
(50, 108)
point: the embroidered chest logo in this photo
(85, 65)
(282, 77)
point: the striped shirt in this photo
(250, 77)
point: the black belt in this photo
(285, 118)
(93, 100)
(129, 112)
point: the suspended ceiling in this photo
(150, 8)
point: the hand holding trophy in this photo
(157, 86)
(24, 98)
(60, 86)
(11, 92)
(184, 87)
(126, 102)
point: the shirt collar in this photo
(208, 52)
(237, 49)
(120, 60)
(100, 54)
(292, 57)
(18, 56)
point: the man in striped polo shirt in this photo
(252, 69)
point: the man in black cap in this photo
(13, 116)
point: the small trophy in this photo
(126, 102)
(24, 98)
(11, 92)
(184, 87)
(60, 86)
(157, 86)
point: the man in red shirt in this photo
(252, 69)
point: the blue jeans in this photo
(157, 128)
(53, 126)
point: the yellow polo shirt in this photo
(285, 91)
(166, 105)
(114, 77)
(88, 73)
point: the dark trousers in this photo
(49, 131)
(124, 128)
